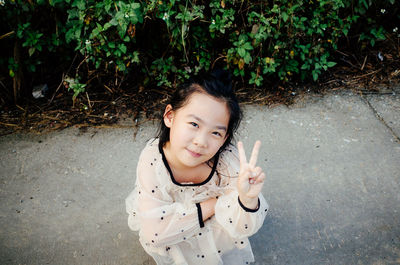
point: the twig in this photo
(371, 73)
(10, 124)
(21, 108)
(59, 86)
(365, 60)
(69, 69)
(87, 96)
(109, 89)
(95, 116)
(349, 63)
(77, 68)
(222, 56)
(55, 119)
(342, 53)
(6, 35)
(103, 126)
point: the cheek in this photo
(217, 143)
(179, 133)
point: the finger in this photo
(260, 179)
(254, 154)
(242, 154)
(257, 176)
(256, 172)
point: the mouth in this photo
(194, 154)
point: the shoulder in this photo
(150, 167)
(229, 160)
(150, 151)
(230, 154)
(150, 156)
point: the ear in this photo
(168, 116)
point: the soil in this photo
(376, 73)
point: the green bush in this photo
(163, 42)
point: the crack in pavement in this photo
(397, 138)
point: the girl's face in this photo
(197, 130)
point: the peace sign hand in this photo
(251, 178)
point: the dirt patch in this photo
(130, 107)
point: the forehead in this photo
(209, 109)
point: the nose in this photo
(200, 140)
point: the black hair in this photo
(217, 84)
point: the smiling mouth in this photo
(194, 154)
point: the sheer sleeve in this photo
(236, 219)
(161, 221)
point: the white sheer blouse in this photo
(168, 216)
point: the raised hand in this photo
(251, 177)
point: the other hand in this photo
(251, 177)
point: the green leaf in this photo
(31, 51)
(285, 16)
(113, 21)
(81, 4)
(305, 67)
(32, 68)
(77, 33)
(111, 45)
(241, 52)
(247, 58)
(315, 75)
(247, 46)
(331, 64)
(122, 48)
(69, 35)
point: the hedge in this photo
(163, 42)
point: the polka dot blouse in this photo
(168, 216)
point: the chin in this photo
(190, 162)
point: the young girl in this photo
(197, 199)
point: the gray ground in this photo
(333, 166)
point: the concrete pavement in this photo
(333, 185)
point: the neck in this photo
(175, 167)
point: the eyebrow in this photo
(219, 127)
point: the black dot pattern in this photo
(158, 234)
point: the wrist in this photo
(249, 203)
(208, 208)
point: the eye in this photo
(217, 134)
(194, 124)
